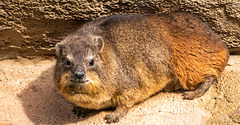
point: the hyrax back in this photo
(121, 60)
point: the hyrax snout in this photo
(121, 60)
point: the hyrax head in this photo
(78, 61)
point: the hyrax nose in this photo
(79, 75)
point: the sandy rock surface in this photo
(28, 96)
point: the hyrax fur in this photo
(121, 60)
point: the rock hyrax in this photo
(120, 60)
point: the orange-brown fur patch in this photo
(196, 59)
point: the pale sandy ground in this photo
(28, 96)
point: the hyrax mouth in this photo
(79, 81)
(77, 84)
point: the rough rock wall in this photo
(32, 27)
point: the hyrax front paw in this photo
(112, 118)
(116, 115)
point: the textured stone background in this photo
(33, 27)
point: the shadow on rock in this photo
(44, 105)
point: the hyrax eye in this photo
(91, 63)
(67, 62)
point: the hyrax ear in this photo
(99, 42)
(61, 49)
